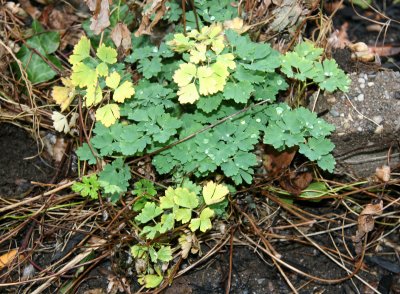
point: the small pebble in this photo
(362, 86)
(334, 112)
(370, 84)
(378, 119)
(342, 115)
(360, 129)
(379, 129)
(360, 97)
(361, 81)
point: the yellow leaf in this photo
(112, 81)
(181, 43)
(227, 59)
(93, 96)
(123, 92)
(102, 69)
(236, 24)
(63, 96)
(214, 193)
(198, 54)
(107, 54)
(7, 258)
(188, 94)
(185, 74)
(83, 76)
(108, 114)
(207, 83)
(218, 45)
(81, 51)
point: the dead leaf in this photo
(366, 223)
(121, 36)
(7, 258)
(295, 183)
(101, 15)
(339, 38)
(387, 50)
(156, 8)
(383, 173)
(236, 24)
(275, 162)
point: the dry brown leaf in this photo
(366, 223)
(157, 8)
(121, 36)
(7, 258)
(387, 50)
(339, 38)
(275, 162)
(101, 15)
(236, 24)
(383, 173)
(295, 183)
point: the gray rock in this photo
(369, 129)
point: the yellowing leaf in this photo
(185, 74)
(83, 76)
(208, 85)
(108, 114)
(218, 45)
(102, 69)
(81, 51)
(180, 43)
(203, 222)
(188, 94)
(227, 59)
(60, 122)
(123, 92)
(93, 96)
(112, 81)
(198, 54)
(63, 96)
(214, 193)
(107, 54)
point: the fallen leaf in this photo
(101, 15)
(236, 24)
(295, 183)
(275, 162)
(151, 16)
(60, 122)
(7, 258)
(121, 36)
(383, 173)
(366, 223)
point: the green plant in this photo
(45, 44)
(221, 89)
(169, 218)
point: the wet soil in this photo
(19, 162)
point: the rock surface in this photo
(367, 121)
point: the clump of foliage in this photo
(174, 218)
(192, 84)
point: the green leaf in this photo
(114, 177)
(84, 153)
(37, 69)
(240, 92)
(150, 67)
(184, 198)
(108, 114)
(152, 281)
(203, 222)
(183, 215)
(88, 187)
(149, 212)
(167, 222)
(164, 253)
(314, 190)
